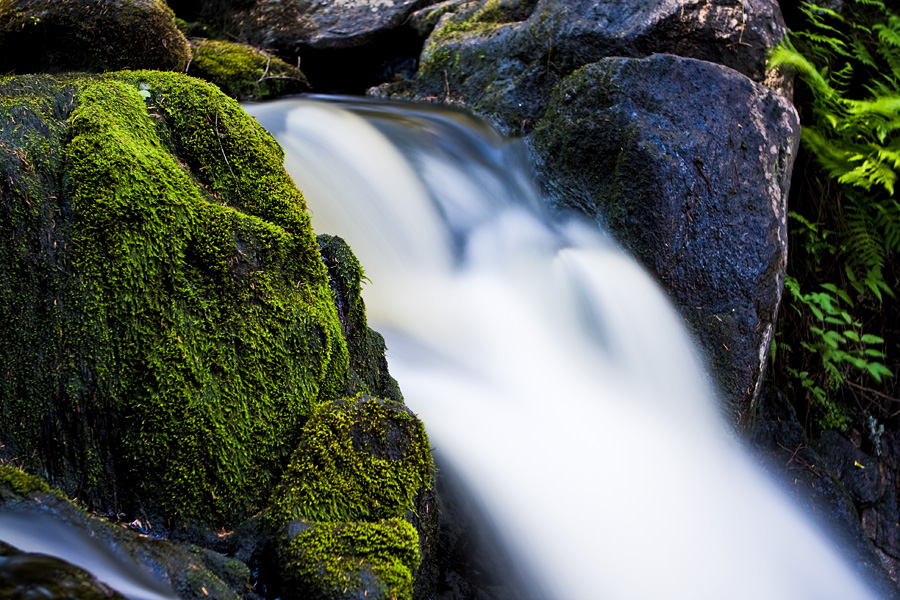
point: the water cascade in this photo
(549, 369)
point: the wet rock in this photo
(504, 57)
(688, 164)
(156, 566)
(780, 443)
(357, 505)
(326, 24)
(89, 35)
(344, 45)
(27, 576)
(243, 72)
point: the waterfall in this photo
(550, 371)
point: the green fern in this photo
(850, 62)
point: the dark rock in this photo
(326, 24)
(243, 72)
(169, 322)
(357, 505)
(156, 565)
(688, 164)
(89, 35)
(780, 443)
(344, 45)
(503, 58)
(858, 471)
(28, 576)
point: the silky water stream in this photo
(552, 375)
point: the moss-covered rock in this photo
(89, 35)
(168, 321)
(361, 459)
(331, 561)
(368, 372)
(357, 505)
(244, 72)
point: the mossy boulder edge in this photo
(86, 35)
(170, 322)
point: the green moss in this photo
(86, 35)
(362, 459)
(164, 268)
(20, 482)
(368, 371)
(340, 560)
(243, 72)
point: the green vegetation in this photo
(19, 482)
(350, 502)
(174, 323)
(243, 72)
(328, 559)
(843, 272)
(361, 459)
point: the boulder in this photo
(169, 322)
(357, 506)
(89, 35)
(243, 72)
(688, 164)
(502, 58)
(345, 45)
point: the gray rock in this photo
(504, 57)
(688, 164)
(325, 24)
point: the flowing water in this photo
(551, 373)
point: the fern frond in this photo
(867, 251)
(888, 220)
(785, 56)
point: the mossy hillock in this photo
(169, 323)
(357, 506)
(87, 35)
(243, 72)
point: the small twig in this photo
(221, 147)
(549, 52)
(266, 72)
(868, 390)
(446, 85)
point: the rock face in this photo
(688, 164)
(85, 35)
(502, 58)
(650, 148)
(324, 24)
(344, 45)
(168, 320)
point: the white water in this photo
(547, 367)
